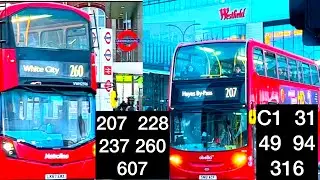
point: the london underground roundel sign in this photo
(108, 85)
(107, 37)
(94, 37)
(127, 40)
(107, 54)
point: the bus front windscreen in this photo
(217, 130)
(48, 120)
(210, 60)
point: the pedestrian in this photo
(122, 107)
(130, 103)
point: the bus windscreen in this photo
(210, 60)
(217, 130)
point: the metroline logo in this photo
(226, 13)
(56, 156)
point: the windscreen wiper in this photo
(32, 90)
(59, 92)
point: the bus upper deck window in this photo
(306, 73)
(259, 62)
(270, 59)
(293, 73)
(282, 68)
(300, 71)
(314, 75)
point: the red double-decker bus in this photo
(213, 87)
(47, 84)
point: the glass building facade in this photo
(162, 6)
(281, 34)
(169, 22)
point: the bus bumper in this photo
(22, 169)
(245, 173)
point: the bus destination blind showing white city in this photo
(132, 145)
(287, 142)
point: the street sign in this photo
(108, 85)
(107, 37)
(127, 40)
(94, 37)
(107, 54)
(107, 70)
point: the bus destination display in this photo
(132, 145)
(206, 93)
(287, 142)
(53, 69)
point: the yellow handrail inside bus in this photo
(18, 31)
(219, 65)
(27, 32)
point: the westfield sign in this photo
(226, 13)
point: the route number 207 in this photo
(76, 71)
(231, 92)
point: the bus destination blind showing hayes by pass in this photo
(206, 93)
(132, 145)
(287, 142)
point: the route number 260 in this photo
(76, 71)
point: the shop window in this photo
(270, 59)
(258, 61)
(282, 67)
(293, 73)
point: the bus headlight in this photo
(175, 160)
(94, 149)
(9, 149)
(239, 159)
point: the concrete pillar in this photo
(139, 26)
(114, 35)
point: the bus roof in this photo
(14, 8)
(262, 45)
(283, 52)
(208, 41)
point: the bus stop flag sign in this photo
(127, 40)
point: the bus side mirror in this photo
(252, 116)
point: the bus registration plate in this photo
(55, 176)
(211, 177)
